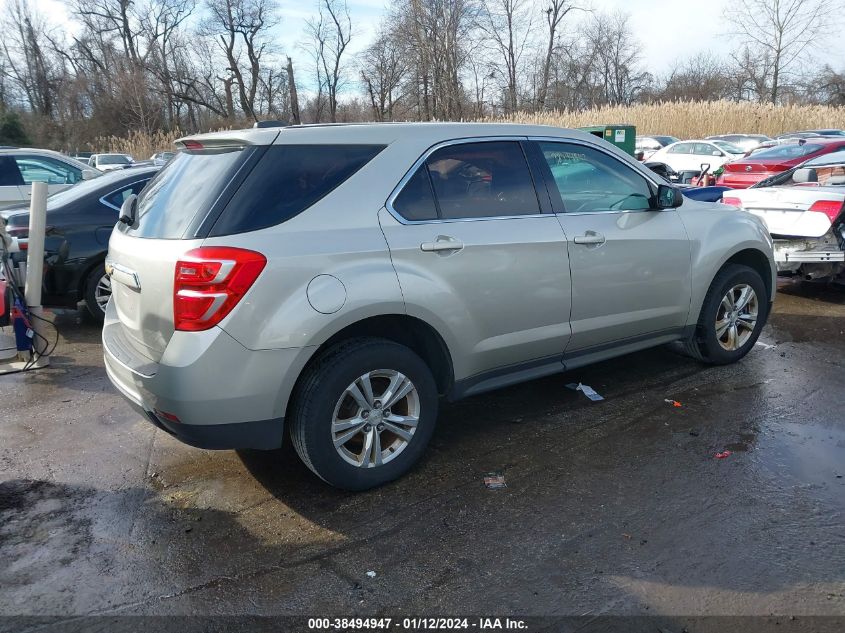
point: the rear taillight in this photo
(209, 282)
(831, 208)
(734, 202)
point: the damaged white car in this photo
(803, 209)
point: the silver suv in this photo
(339, 280)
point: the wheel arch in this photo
(757, 261)
(406, 330)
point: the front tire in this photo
(732, 316)
(363, 413)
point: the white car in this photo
(802, 208)
(691, 155)
(19, 168)
(648, 145)
(110, 162)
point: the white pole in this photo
(35, 261)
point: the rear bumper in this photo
(207, 390)
(791, 254)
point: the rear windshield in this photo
(187, 186)
(113, 159)
(792, 150)
(287, 180)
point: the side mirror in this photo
(669, 197)
(639, 154)
(716, 152)
(89, 174)
(128, 209)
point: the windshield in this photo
(114, 159)
(792, 150)
(730, 148)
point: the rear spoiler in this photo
(233, 138)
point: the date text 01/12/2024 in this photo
(416, 624)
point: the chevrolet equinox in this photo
(338, 280)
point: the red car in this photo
(742, 173)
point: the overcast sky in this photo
(666, 29)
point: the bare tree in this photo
(781, 31)
(330, 32)
(507, 24)
(556, 11)
(383, 68)
(242, 29)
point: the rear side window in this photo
(287, 180)
(117, 198)
(681, 148)
(189, 185)
(416, 201)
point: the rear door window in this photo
(287, 180)
(482, 180)
(187, 187)
(681, 148)
(416, 201)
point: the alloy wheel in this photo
(736, 317)
(375, 418)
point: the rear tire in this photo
(363, 413)
(97, 292)
(732, 316)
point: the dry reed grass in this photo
(693, 119)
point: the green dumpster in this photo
(623, 136)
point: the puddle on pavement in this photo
(805, 455)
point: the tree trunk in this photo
(294, 100)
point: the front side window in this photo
(589, 180)
(49, 170)
(706, 149)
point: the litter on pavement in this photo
(674, 403)
(495, 481)
(371, 574)
(722, 455)
(586, 390)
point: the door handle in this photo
(591, 237)
(443, 244)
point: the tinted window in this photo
(287, 180)
(590, 180)
(187, 186)
(681, 148)
(791, 150)
(10, 175)
(479, 180)
(49, 170)
(416, 202)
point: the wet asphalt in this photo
(616, 507)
